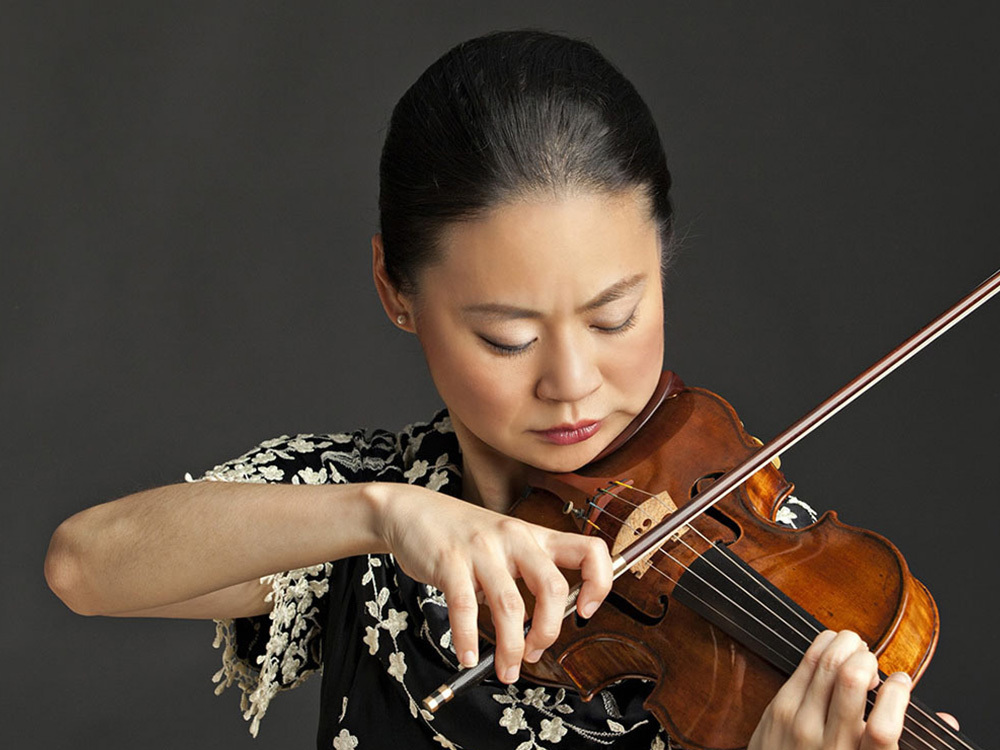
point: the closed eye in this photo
(506, 349)
(621, 327)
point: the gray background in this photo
(188, 196)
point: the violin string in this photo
(739, 571)
(933, 719)
(807, 639)
(869, 701)
(736, 625)
(678, 538)
(622, 521)
(788, 664)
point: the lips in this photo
(568, 434)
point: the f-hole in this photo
(628, 609)
(702, 484)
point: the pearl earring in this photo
(401, 319)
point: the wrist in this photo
(377, 499)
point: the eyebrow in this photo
(508, 312)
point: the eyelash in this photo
(507, 351)
(513, 351)
(629, 323)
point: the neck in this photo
(489, 478)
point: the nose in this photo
(570, 371)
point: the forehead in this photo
(541, 246)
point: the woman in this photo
(525, 223)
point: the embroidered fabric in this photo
(382, 640)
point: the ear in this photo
(394, 302)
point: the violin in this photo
(719, 616)
(714, 601)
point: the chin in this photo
(565, 459)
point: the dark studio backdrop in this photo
(188, 196)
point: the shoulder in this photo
(341, 457)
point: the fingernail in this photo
(469, 659)
(588, 609)
(533, 656)
(510, 676)
(902, 677)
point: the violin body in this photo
(721, 615)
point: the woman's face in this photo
(542, 324)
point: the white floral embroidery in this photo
(301, 445)
(438, 480)
(345, 741)
(416, 471)
(443, 645)
(513, 720)
(274, 442)
(395, 622)
(793, 510)
(272, 473)
(371, 638)
(293, 612)
(535, 697)
(310, 476)
(786, 516)
(293, 651)
(552, 730)
(397, 665)
(336, 477)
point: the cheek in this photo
(471, 384)
(636, 367)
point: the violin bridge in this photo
(643, 518)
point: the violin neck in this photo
(772, 625)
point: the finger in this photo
(845, 721)
(798, 683)
(950, 720)
(507, 610)
(463, 611)
(809, 724)
(816, 701)
(885, 722)
(550, 590)
(778, 724)
(590, 556)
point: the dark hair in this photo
(504, 116)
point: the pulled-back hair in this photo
(505, 116)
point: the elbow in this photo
(65, 570)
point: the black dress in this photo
(382, 640)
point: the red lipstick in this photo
(568, 434)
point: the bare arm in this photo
(198, 550)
